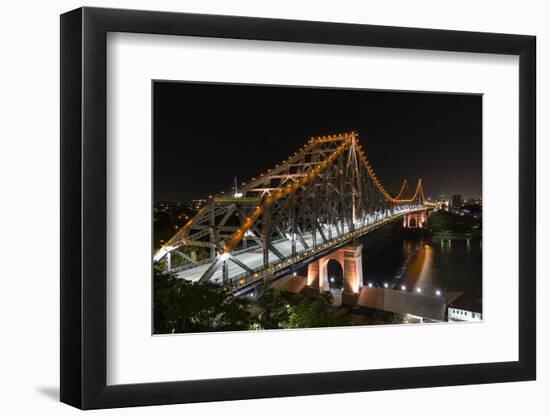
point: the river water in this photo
(434, 265)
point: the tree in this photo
(282, 310)
(441, 222)
(444, 222)
(182, 306)
(317, 312)
(275, 305)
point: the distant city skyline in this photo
(205, 135)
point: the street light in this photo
(403, 287)
(385, 285)
(437, 292)
(419, 289)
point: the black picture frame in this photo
(83, 207)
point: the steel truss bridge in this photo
(321, 198)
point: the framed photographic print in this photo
(256, 208)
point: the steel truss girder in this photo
(324, 190)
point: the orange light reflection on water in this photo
(417, 273)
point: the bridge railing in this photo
(237, 282)
(205, 261)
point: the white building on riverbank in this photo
(463, 306)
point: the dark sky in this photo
(206, 134)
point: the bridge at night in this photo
(307, 210)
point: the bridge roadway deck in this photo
(254, 257)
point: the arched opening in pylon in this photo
(335, 274)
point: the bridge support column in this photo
(213, 253)
(323, 272)
(313, 275)
(169, 261)
(353, 269)
(350, 259)
(225, 272)
(415, 220)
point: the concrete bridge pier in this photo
(415, 220)
(350, 259)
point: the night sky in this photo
(206, 134)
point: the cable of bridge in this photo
(393, 200)
(402, 189)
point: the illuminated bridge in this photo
(313, 204)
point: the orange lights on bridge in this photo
(289, 181)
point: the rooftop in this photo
(468, 301)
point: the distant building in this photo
(198, 204)
(463, 306)
(456, 202)
(472, 208)
(166, 206)
(442, 202)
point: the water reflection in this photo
(434, 265)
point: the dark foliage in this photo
(283, 310)
(446, 222)
(182, 307)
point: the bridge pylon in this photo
(350, 258)
(415, 220)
